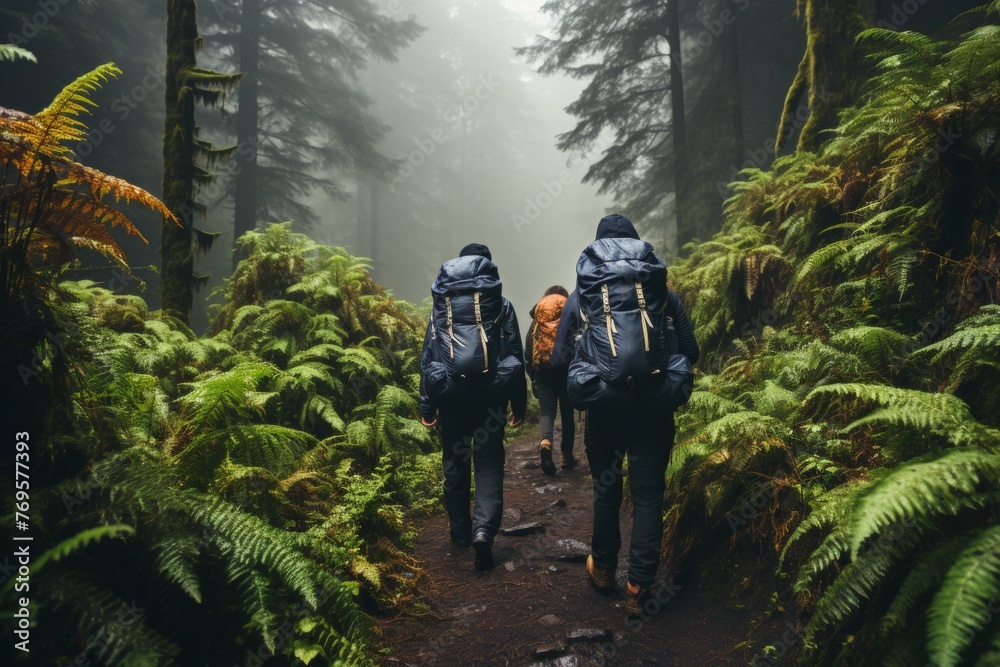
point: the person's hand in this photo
(431, 423)
(515, 420)
(534, 389)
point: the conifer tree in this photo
(629, 54)
(184, 155)
(301, 106)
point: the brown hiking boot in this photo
(568, 461)
(600, 578)
(545, 449)
(637, 599)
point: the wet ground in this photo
(535, 606)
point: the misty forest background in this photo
(223, 438)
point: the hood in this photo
(476, 249)
(616, 226)
(466, 274)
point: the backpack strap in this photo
(646, 322)
(482, 331)
(609, 321)
(451, 330)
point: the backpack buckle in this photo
(641, 295)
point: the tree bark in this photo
(176, 247)
(247, 120)
(830, 70)
(678, 122)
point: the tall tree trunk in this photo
(830, 70)
(678, 122)
(373, 227)
(736, 95)
(247, 120)
(176, 247)
(363, 235)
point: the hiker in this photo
(548, 382)
(471, 367)
(632, 349)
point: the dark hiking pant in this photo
(646, 439)
(553, 395)
(473, 436)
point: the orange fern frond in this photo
(102, 184)
(81, 206)
(84, 232)
(51, 204)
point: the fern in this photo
(959, 609)
(11, 52)
(920, 583)
(925, 489)
(80, 541)
(178, 555)
(937, 413)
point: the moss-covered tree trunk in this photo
(247, 121)
(176, 247)
(830, 70)
(678, 117)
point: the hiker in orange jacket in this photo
(548, 380)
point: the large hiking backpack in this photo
(469, 360)
(627, 346)
(546, 316)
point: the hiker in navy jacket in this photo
(644, 434)
(472, 418)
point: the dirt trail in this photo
(533, 600)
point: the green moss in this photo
(831, 68)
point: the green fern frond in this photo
(80, 541)
(178, 556)
(867, 571)
(922, 580)
(117, 629)
(960, 608)
(939, 413)
(11, 52)
(924, 489)
(878, 346)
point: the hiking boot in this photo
(484, 551)
(637, 599)
(568, 461)
(460, 539)
(601, 578)
(545, 449)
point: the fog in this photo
(493, 143)
(405, 129)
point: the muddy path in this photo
(535, 606)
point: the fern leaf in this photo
(960, 609)
(925, 489)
